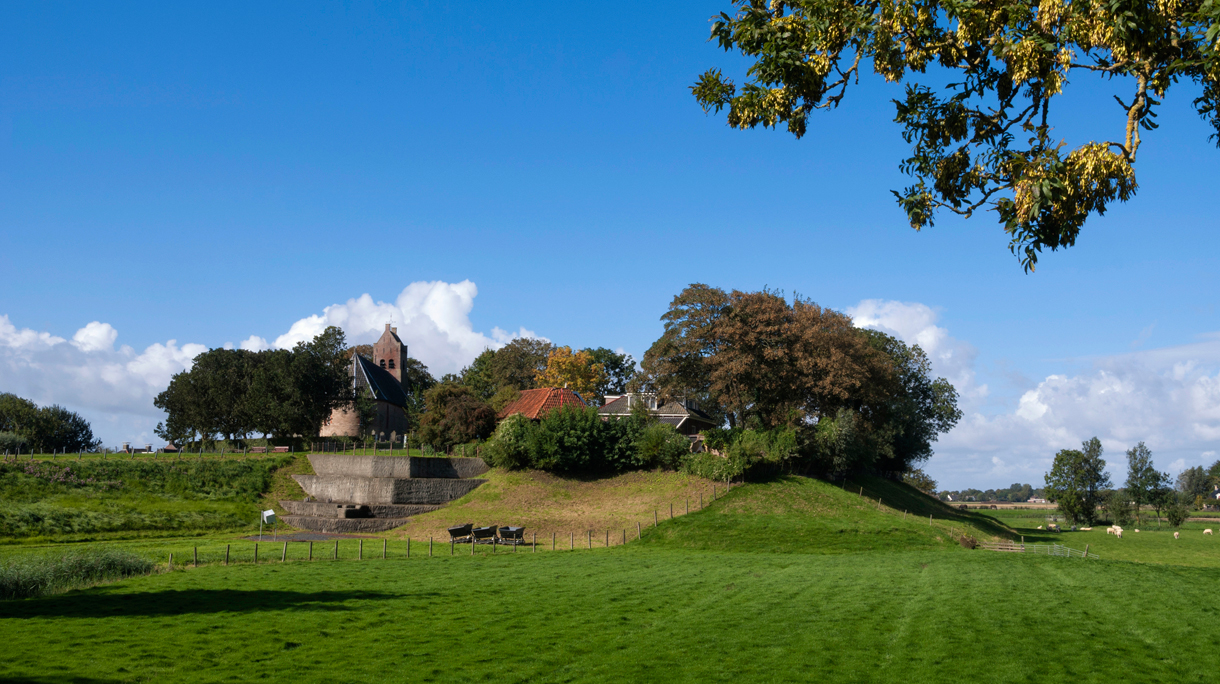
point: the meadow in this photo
(794, 579)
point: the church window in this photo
(391, 364)
(383, 363)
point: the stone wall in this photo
(396, 466)
(384, 490)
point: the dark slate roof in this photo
(533, 404)
(382, 385)
(671, 412)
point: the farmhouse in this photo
(381, 379)
(535, 403)
(683, 414)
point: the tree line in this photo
(1079, 484)
(1015, 493)
(234, 394)
(26, 427)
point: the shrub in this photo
(568, 439)
(659, 444)
(1176, 513)
(39, 576)
(10, 442)
(509, 446)
(714, 467)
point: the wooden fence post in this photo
(360, 553)
(336, 549)
(552, 541)
(284, 555)
(472, 544)
(171, 560)
(671, 510)
(590, 540)
(256, 553)
(700, 500)
(687, 506)
(713, 492)
(639, 532)
(624, 536)
(654, 517)
(1086, 553)
(571, 541)
(534, 544)
(607, 539)
(310, 550)
(196, 556)
(227, 554)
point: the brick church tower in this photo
(390, 353)
(383, 380)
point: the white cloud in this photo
(114, 388)
(915, 323)
(433, 320)
(1168, 398)
(95, 336)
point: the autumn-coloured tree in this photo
(577, 371)
(982, 81)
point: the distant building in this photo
(536, 403)
(381, 379)
(683, 414)
(1038, 501)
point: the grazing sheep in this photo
(1137, 529)
(1110, 530)
(1086, 529)
(1053, 528)
(1175, 535)
(1039, 527)
(1207, 531)
(1120, 533)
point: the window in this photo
(383, 363)
(391, 364)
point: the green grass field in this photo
(791, 580)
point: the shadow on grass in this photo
(57, 679)
(100, 603)
(901, 496)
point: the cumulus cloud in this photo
(114, 388)
(433, 320)
(915, 323)
(1168, 398)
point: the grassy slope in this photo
(698, 600)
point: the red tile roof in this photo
(533, 404)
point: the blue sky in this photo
(207, 174)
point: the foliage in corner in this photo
(985, 139)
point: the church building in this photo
(383, 380)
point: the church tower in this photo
(390, 354)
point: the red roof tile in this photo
(533, 404)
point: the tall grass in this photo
(30, 576)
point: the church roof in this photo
(535, 403)
(382, 385)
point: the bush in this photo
(568, 439)
(746, 453)
(39, 576)
(10, 442)
(1177, 512)
(714, 467)
(509, 446)
(660, 444)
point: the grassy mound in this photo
(804, 515)
(47, 500)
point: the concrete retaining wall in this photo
(324, 510)
(396, 466)
(342, 525)
(384, 490)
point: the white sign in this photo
(269, 517)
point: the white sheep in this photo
(1137, 529)
(1175, 535)
(1120, 533)
(1110, 530)
(1039, 527)
(1207, 531)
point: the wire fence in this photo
(1043, 549)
